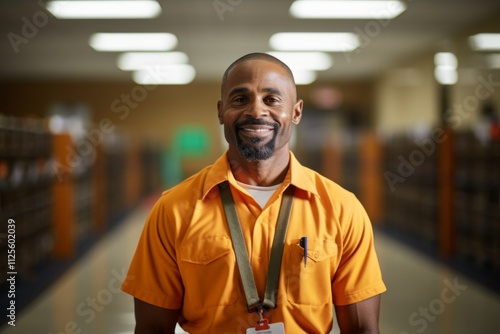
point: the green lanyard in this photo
(254, 303)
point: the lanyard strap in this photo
(254, 303)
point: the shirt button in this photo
(316, 255)
(204, 256)
(260, 259)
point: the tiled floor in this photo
(422, 297)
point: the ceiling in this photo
(58, 49)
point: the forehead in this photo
(259, 73)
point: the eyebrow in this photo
(240, 90)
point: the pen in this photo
(303, 244)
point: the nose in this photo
(257, 109)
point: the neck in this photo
(261, 172)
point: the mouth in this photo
(256, 130)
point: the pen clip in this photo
(303, 244)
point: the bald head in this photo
(255, 56)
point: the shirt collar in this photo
(298, 175)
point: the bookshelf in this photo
(64, 192)
(26, 192)
(411, 202)
(477, 201)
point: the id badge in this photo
(276, 328)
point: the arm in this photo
(152, 319)
(359, 318)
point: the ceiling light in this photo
(104, 9)
(180, 74)
(319, 61)
(445, 59)
(346, 9)
(446, 75)
(445, 71)
(303, 77)
(316, 41)
(130, 61)
(488, 42)
(133, 41)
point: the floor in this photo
(422, 297)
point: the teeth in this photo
(257, 130)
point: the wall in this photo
(408, 96)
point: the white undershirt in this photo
(260, 194)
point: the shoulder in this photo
(341, 204)
(327, 189)
(189, 190)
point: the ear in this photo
(297, 112)
(219, 111)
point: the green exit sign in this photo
(191, 141)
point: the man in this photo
(186, 269)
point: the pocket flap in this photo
(317, 249)
(206, 250)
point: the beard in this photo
(252, 151)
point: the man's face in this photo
(258, 108)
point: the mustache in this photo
(254, 121)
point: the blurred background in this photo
(104, 106)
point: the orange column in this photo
(64, 216)
(371, 176)
(445, 193)
(99, 190)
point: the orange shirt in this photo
(185, 258)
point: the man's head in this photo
(255, 56)
(258, 106)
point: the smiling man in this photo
(256, 241)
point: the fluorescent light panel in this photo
(180, 74)
(318, 61)
(446, 75)
(308, 9)
(133, 41)
(317, 41)
(445, 59)
(104, 9)
(131, 61)
(304, 77)
(485, 42)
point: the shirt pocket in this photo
(208, 267)
(310, 284)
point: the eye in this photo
(271, 99)
(240, 99)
